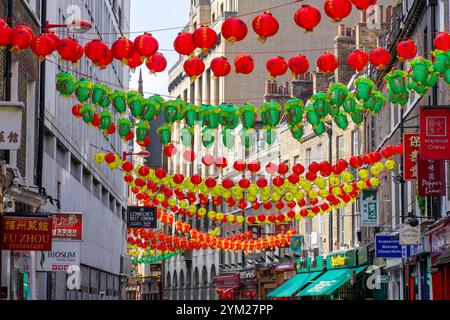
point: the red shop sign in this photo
(435, 133)
(68, 226)
(411, 145)
(431, 180)
(26, 234)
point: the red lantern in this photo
(221, 162)
(442, 41)
(130, 136)
(135, 61)
(128, 178)
(210, 183)
(146, 45)
(122, 49)
(21, 38)
(112, 130)
(254, 166)
(78, 53)
(298, 65)
(356, 162)
(278, 181)
(307, 17)
(160, 173)
(76, 111)
(314, 167)
(262, 182)
(42, 46)
(276, 66)
(220, 67)
(406, 50)
(170, 150)
(5, 34)
(357, 60)
(327, 62)
(208, 160)
(227, 183)
(106, 60)
(267, 205)
(97, 51)
(196, 179)
(244, 183)
(189, 155)
(184, 43)
(194, 67)
(367, 159)
(311, 176)
(342, 164)
(143, 171)
(304, 213)
(283, 168)
(244, 64)
(110, 158)
(96, 120)
(271, 168)
(399, 148)
(265, 26)
(178, 178)
(234, 29)
(337, 9)
(293, 178)
(363, 4)
(127, 166)
(239, 165)
(204, 38)
(380, 58)
(298, 169)
(156, 63)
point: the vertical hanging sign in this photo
(411, 143)
(435, 133)
(370, 216)
(431, 177)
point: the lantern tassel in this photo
(262, 39)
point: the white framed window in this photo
(308, 157)
(356, 142)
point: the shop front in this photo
(439, 236)
(418, 268)
(227, 286)
(344, 278)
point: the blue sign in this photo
(388, 246)
(296, 244)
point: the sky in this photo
(158, 14)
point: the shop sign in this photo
(388, 246)
(409, 235)
(431, 179)
(67, 226)
(64, 254)
(142, 217)
(363, 255)
(26, 233)
(440, 241)
(10, 127)
(228, 281)
(370, 216)
(435, 133)
(411, 149)
(296, 244)
(341, 260)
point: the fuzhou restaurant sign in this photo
(26, 234)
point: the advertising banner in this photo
(26, 233)
(68, 226)
(142, 217)
(411, 149)
(296, 244)
(431, 177)
(369, 203)
(435, 133)
(63, 255)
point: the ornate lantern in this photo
(119, 101)
(265, 26)
(83, 90)
(65, 83)
(298, 65)
(87, 112)
(146, 45)
(156, 63)
(135, 103)
(247, 113)
(294, 109)
(244, 64)
(276, 66)
(220, 67)
(307, 17)
(229, 116)
(164, 132)
(338, 92)
(270, 114)
(171, 111)
(105, 120)
(364, 87)
(234, 29)
(327, 62)
(142, 129)
(204, 38)
(210, 116)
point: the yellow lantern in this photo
(375, 182)
(201, 212)
(312, 194)
(240, 219)
(192, 209)
(231, 218)
(172, 202)
(324, 193)
(390, 165)
(211, 215)
(99, 158)
(361, 185)
(363, 173)
(321, 183)
(348, 188)
(275, 197)
(336, 191)
(161, 197)
(334, 180)
(183, 204)
(289, 197)
(219, 216)
(264, 197)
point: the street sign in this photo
(370, 216)
(435, 133)
(296, 244)
(388, 246)
(409, 235)
(142, 217)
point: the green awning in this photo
(330, 281)
(294, 284)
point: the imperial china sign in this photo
(435, 133)
(26, 234)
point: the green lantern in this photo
(164, 133)
(441, 62)
(247, 114)
(297, 131)
(376, 102)
(411, 85)
(208, 137)
(419, 69)
(431, 79)
(124, 127)
(334, 110)
(338, 92)
(341, 121)
(396, 81)
(65, 83)
(105, 119)
(136, 104)
(294, 110)
(270, 114)
(447, 76)
(210, 116)
(190, 114)
(247, 136)
(364, 89)
(187, 136)
(319, 129)
(357, 117)
(142, 129)
(153, 109)
(119, 101)
(403, 98)
(83, 90)
(100, 94)
(312, 116)
(88, 112)
(321, 104)
(229, 116)
(349, 103)
(271, 136)
(228, 138)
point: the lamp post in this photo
(143, 154)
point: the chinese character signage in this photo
(409, 235)
(68, 226)
(296, 244)
(431, 179)
(142, 217)
(369, 216)
(10, 127)
(26, 234)
(62, 256)
(411, 143)
(434, 133)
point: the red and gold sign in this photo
(411, 152)
(435, 133)
(68, 226)
(26, 234)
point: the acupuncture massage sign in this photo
(26, 233)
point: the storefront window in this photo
(20, 276)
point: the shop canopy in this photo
(330, 281)
(294, 284)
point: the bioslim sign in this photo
(63, 255)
